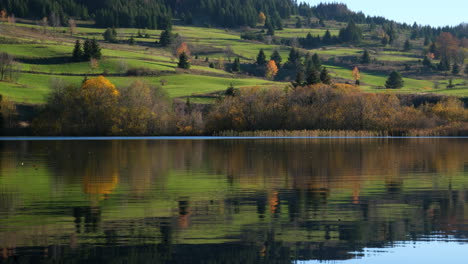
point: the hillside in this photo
(306, 45)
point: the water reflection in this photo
(262, 201)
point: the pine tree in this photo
(316, 61)
(87, 50)
(236, 67)
(183, 61)
(77, 51)
(261, 58)
(455, 69)
(394, 81)
(365, 59)
(298, 22)
(433, 48)
(384, 41)
(427, 63)
(131, 40)
(407, 46)
(294, 58)
(426, 41)
(95, 50)
(299, 78)
(276, 57)
(327, 38)
(325, 76)
(351, 33)
(444, 64)
(313, 77)
(110, 35)
(166, 38)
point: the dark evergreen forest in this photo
(159, 14)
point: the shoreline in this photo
(210, 138)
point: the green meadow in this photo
(45, 57)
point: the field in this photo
(46, 55)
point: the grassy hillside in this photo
(45, 54)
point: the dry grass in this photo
(302, 133)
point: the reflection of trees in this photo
(300, 199)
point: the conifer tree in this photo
(317, 62)
(236, 67)
(455, 69)
(77, 51)
(407, 46)
(444, 64)
(95, 50)
(87, 50)
(427, 62)
(394, 81)
(327, 38)
(299, 77)
(313, 77)
(325, 76)
(183, 61)
(166, 38)
(261, 58)
(110, 35)
(276, 57)
(365, 59)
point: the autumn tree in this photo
(261, 18)
(72, 26)
(3, 16)
(44, 23)
(229, 52)
(261, 58)
(184, 62)
(100, 99)
(356, 76)
(182, 48)
(394, 81)
(446, 45)
(271, 70)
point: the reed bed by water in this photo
(302, 133)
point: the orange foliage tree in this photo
(100, 99)
(183, 47)
(356, 75)
(261, 18)
(271, 70)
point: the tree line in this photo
(98, 107)
(158, 14)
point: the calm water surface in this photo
(234, 201)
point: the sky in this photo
(429, 12)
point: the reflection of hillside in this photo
(263, 199)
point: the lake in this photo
(234, 201)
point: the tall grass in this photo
(302, 133)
